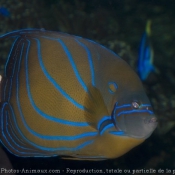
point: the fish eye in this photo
(135, 104)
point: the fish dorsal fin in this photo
(96, 108)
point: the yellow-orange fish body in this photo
(68, 96)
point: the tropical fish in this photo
(62, 95)
(145, 58)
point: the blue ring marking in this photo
(10, 56)
(113, 113)
(106, 127)
(36, 31)
(48, 117)
(133, 111)
(89, 59)
(52, 80)
(13, 140)
(13, 132)
(122, 106)
(111, 91)
(41, 147)
(72, 62)
(10, 86)
(4, 136)
(40, 135)
(7, 148)
(115, 85)
(117, 133)
(91, 41)
(69, 56)
(74, 137)
(129, 111)
(102, 120)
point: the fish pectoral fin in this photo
(95, 106)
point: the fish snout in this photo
(152, 119)
(137, 125)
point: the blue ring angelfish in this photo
(57, 99)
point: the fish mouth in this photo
(134, 122)
(151, 121)
(137, 126)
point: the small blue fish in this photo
(145, 58)
(4, 12)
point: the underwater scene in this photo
(87, 87)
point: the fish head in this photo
(132, 114)
(135, 120)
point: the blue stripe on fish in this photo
(37, 146)
(66, 122)
(71, 60)
(134, 111)
(10, 55)
(103, 120)
(126, 111)
(118, 133)
(11, 139)
(114, 87)
(54, 83)
(34, 133)
(47, 110)
(90, 61)
(106, 127)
